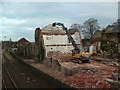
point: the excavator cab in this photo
(83, 57)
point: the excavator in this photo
(77, 54)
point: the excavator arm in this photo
(84, 57)
(68, 34)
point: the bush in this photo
(41, 53)
(111, 47)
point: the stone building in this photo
(111, 33)
(9, 45)
(6, 44)
(108, 39)
(26, 48)
(23, 41)
(111, 39)
(54, 39)
(97, 39)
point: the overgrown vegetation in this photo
(41, 53)
(30, 55)
(111, 48)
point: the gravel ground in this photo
(6, 79)
(92, 75)
(90, 79)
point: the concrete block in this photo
(113, 82)
(55, 67)
(67, 71)
(63, 69)
(47, 63)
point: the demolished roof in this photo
(50, 30)
(112, 29)
(23, 41)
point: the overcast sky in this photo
(20, 19)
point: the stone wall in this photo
(67, 68)
(27, 50)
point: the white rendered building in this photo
(55, 39)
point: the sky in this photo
(20, 19)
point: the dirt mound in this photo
(63, 57)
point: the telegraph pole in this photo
(4, 42)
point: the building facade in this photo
(55, 39)
(26, 48)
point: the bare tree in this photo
(76, 27)
(89, 27)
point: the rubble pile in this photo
(68, 68)
(114, 64)
(87, 81)
(91, 75)
(84, 75)
(70, 65)
(63, 57)
(106, 61)
(87, 70)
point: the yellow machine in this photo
(80, 54)
(84, 57)
(77, 54)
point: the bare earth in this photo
(92, 75)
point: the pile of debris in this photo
(68, 68)
(87, 75)
(91, 75)
(87, 70)
(106, 61)
(63, 57)
(87, 81)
